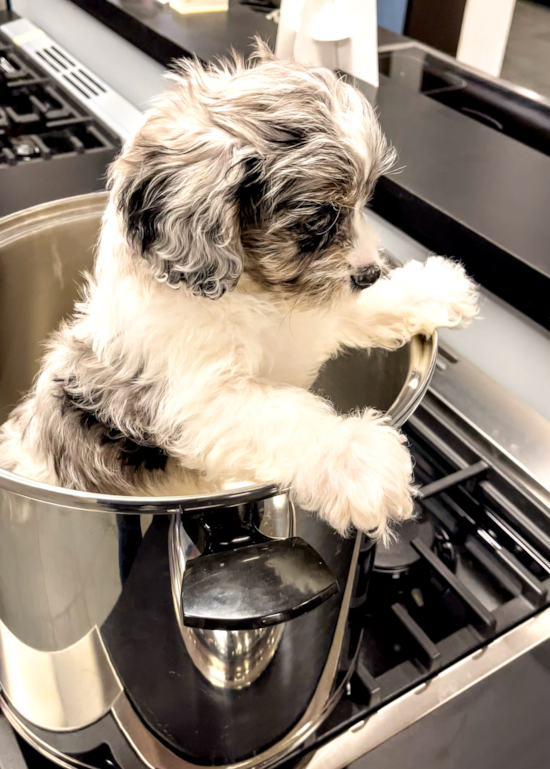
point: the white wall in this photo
(484, 34)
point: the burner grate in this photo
(37, 120)
(478, 575)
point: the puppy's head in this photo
(262, 169)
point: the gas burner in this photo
(459, 575)
(445, 548)
(25, 148)
(400, 556)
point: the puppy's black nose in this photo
(366, 277)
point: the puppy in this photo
(235, 259)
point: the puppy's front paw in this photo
(386, 478)
(450, 296)
(365, 478)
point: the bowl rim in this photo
(423, 353)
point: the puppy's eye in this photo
(322, 220)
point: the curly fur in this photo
(244, 189)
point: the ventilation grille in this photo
(100, 100)
(84, 83)
(55, 59)
(60, 63)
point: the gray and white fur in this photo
(230, 267)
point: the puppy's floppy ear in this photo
(178, 197)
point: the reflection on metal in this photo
(228, 659)
(155, 754)
(500, 82)
(232, 659)
(362, 737)
(62, 690)
(40, 746)
(59, 571)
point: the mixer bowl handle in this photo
(245, 580)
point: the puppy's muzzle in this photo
(366, 277)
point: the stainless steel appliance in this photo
(60, 125)
(124, 635)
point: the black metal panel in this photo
(435, 23)
(501, 723)
(28, 185)
(164, 34)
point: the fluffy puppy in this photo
(234, 259)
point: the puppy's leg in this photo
(353, 471)
(414, 299)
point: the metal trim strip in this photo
(425, 698)
(108, 106)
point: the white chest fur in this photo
(296, 347)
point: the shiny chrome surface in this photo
(155, 754)
(64, 555)
(417, 703)
(39, 745)
(232, 659)
(59, 571)
(228, 659)
(55, 689)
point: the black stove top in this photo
(50, 146)
(464, 575)
(474, 563)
